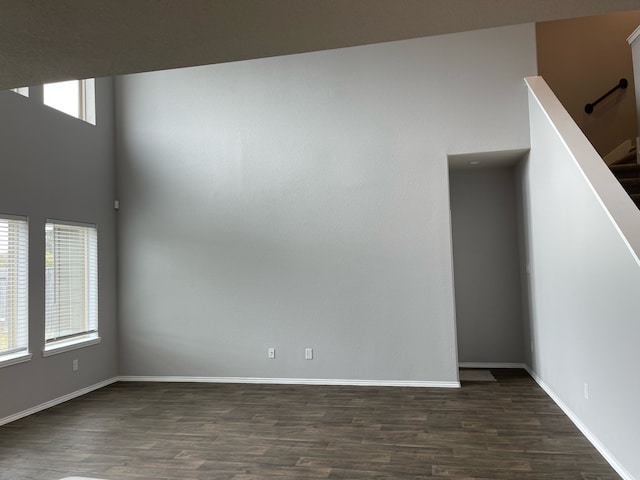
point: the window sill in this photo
(55, 348)
(14, 358)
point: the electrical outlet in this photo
(75, 365)
(271, 353)
(308, 353)
(586, 391)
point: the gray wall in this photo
(303, 201)
(55, 166)
(583, 281)
(486, 265)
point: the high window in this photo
(24, 91)
(14, 290)
(71, 286)
(74, 97)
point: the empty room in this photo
(307, 239)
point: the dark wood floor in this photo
(509, 429)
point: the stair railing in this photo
(621, 84)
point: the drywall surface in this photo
(581, 59)
(486, 265)
(583, 280)
(523, 246)
(303, 201)
(55, 166)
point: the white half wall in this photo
(582, 237)
(303, 201)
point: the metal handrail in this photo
(621, 84)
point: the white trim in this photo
(6, 216)
(70, 223)
(14, 358)
(55, 348)
(608, 456)
(573, 139)
(56, 401)
(634, 35)
(88, 87)
(81, 478)
(291, 381)
(491, 365)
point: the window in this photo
(24, 91)
(71, 286)
(14, 290)
(74, 97)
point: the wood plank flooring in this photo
(509, 429)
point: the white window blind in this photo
(14, 286)
(71, 282)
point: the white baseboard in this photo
(292, 381)
(56, 401)
(608, 456)
(490, 365)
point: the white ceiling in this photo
(44, 41)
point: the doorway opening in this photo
(486, 259)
